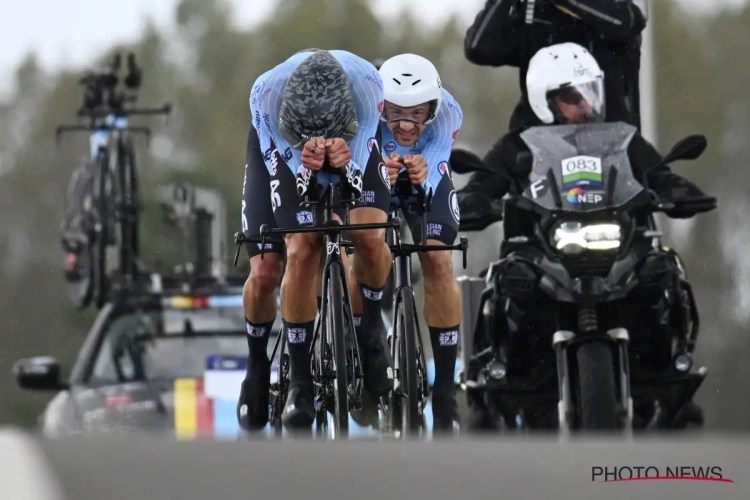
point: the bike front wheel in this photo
(336, 330)
(408, 376)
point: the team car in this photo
(166, 363)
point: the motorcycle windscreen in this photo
(581, 168)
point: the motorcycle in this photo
(561, 339)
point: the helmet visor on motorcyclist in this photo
(582, 102)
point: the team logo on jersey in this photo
(274, 162)
(391, 146)
(287, 154)
(257, 91)
(443, 167)
(384, 175)
(453, 201)
(380, 107)
(415, 147)
(372, 143)
(455, 135)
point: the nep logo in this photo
(578, 195)
(391, 146)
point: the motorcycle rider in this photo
(565, 86)
(510, 32)
(347, 111)
(420, 122)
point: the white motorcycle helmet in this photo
(569, 71)
(410, 80)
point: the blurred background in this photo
(204, 55)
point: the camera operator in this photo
(510, 32)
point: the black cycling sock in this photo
(299, 337)
(372, 299)
(257, 341)
(444, 351)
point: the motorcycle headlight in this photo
(573, 237)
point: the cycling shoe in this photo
(299, 411)
(252, 405)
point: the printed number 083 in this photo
(583, 163)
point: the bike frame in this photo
(402, 270)
(331, 230)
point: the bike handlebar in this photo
(165, 109)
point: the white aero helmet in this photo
(565, 67)
(410, 80)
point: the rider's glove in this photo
(473, 204)
(687, 198)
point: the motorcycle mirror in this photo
(689, 148)
(466, 162)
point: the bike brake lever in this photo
(237, 254)
(239, 239)
(464, 247)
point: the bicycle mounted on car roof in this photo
(105, 190)
(336, 362)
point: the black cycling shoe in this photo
(445, 419)
(299, 411)
(377, 364)
(252, 406)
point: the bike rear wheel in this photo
(129, 215)
(101, 230)
(280, 390)
(336, 331)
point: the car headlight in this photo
(573, 237)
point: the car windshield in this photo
(170, 344)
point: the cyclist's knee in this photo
(368, 243)
(265, 273)
(436, 266)
(303, 253)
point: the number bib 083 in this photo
(582, 171)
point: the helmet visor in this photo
(580, 103)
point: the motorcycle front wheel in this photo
(597, 392)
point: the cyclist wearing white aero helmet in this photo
(420, 122)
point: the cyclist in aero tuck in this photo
(315, 104)
(420, 123)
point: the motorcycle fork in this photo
(621, 337)
(560, 342)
